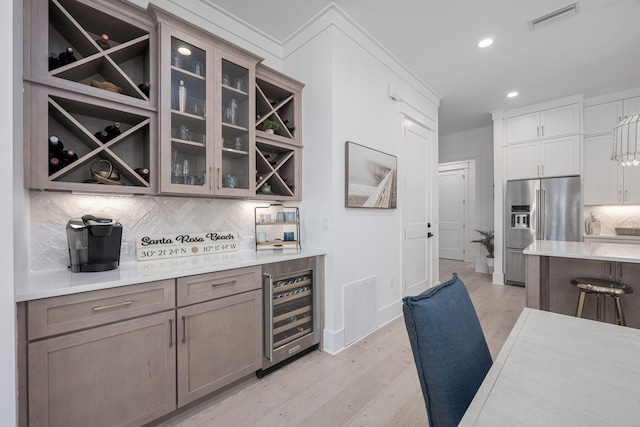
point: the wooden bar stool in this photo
(601, 288)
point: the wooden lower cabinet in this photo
(219, 342)
(121, 374)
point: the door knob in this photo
(429, 234)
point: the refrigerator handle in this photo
(538, 215)
(543, 197)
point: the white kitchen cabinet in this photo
(549, 123)
(602, 118)
(542, 159)
(605, 182)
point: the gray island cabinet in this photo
(551, 265)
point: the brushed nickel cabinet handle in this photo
(105, 307)
(233, 282)
(542, 170)
(542, 130)
(210, 177)
(219, 178)
(538, 170)
(184, 329)
(538, 131)
(170, 333)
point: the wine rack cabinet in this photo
(74, 101)
(278, 154)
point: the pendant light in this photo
(625, 148)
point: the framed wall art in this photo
(371, 178)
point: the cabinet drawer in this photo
(210, 286)
(67, 313)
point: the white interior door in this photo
(417, 248)
(452, 196)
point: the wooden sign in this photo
(185, 244)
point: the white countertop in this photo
(51, 283)
(586, 250)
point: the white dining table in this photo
(558, 370)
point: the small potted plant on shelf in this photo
(487, 242)
(270, 126)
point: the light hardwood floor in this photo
(371, 383)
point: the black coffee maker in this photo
(94, 243)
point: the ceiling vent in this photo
(553, 16)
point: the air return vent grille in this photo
(553, 16)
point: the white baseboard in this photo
(389, 313)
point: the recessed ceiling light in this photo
(185, 51)
(512, 94)
(485, 43)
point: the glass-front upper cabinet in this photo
(187, 125)
(235, 136)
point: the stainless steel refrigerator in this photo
(539, 209)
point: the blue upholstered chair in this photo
(449, 348)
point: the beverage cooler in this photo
(292, 312)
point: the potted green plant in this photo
(270, 126)
(487, 242)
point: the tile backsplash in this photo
(615, 216)
(50, 211)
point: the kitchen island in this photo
(550, 266)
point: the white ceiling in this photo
(594, 52)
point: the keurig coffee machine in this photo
(94, 243)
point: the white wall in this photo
(474, 144)
(345, 99)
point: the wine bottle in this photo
(145, 88)
(54, 62)
(291, 129)
(54, 165)
(113, 130)
(102, 135)
(55, 145)
(285, 121)
(67, 57)
(67, 157)
(103, 42)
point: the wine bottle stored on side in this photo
(55, 145)
(67, 157)
(54, 165)
(145, 88)
(67, 57)
(54, 62)
(113, 130)
(102, 135)
(103, 42)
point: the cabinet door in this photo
(600, 173)
(219, 342)
(523, 160)
(235, 135)
(186, 151)
(523, 128)
(629, 274)
(560, 121)
(631, 193)
(602, 118)
(631, 106)
(560, 156)
(117, 375)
